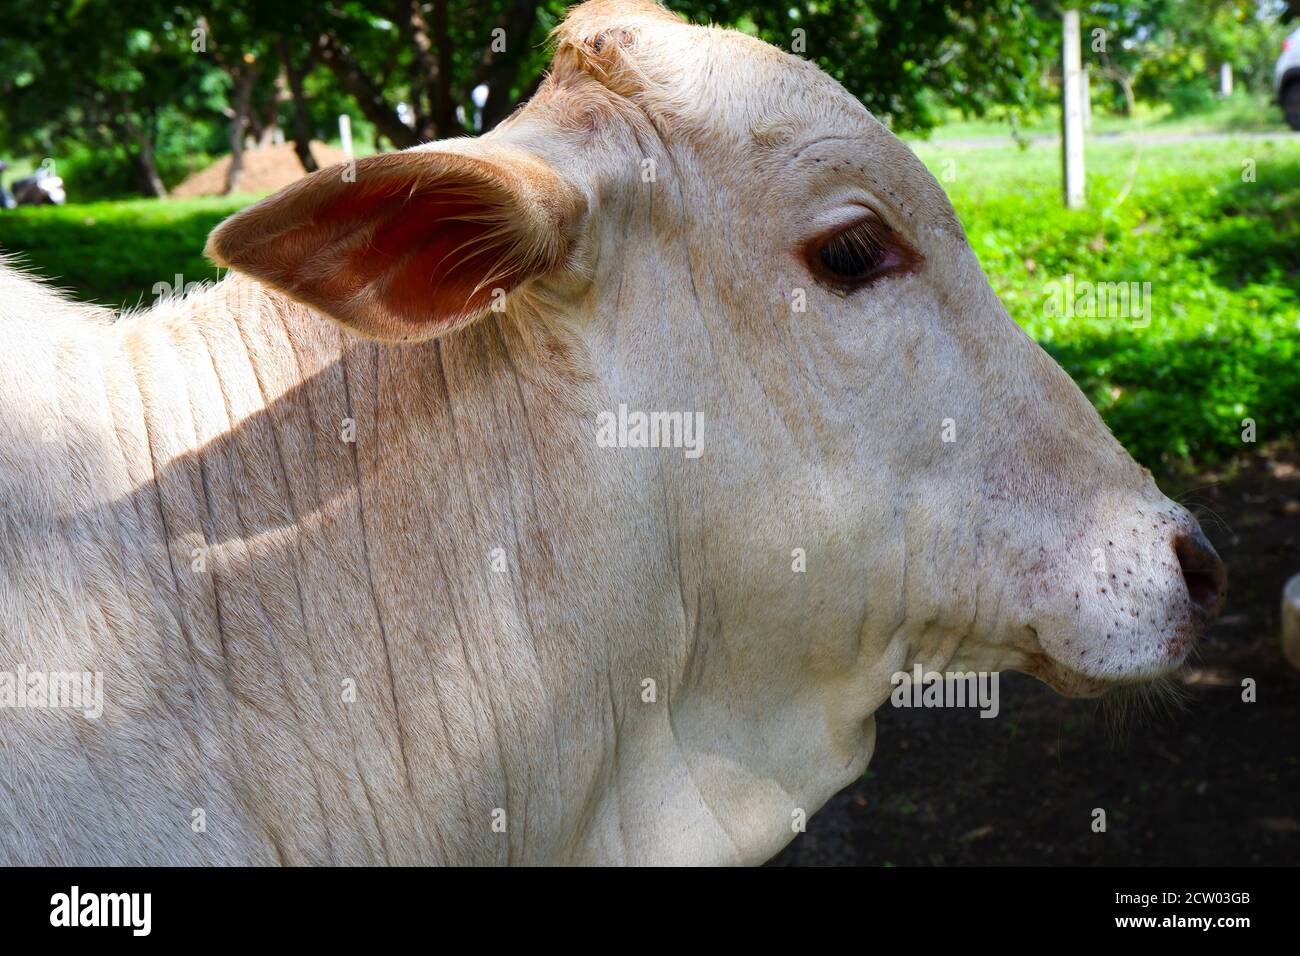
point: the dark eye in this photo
(859, 254)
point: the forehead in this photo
(745, 109)
(705, 85)
(749, 87)
(703, 78)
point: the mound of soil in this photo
(265, 170)
(1216, 782)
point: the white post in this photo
(1071, 110)
(1225, 79)
(1085, 92)
(345, 134)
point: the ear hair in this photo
(413, 244)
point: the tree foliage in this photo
(1173, 49)
(138, 91)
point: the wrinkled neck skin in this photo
(785, 627)
(360, 603)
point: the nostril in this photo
(1204, 573)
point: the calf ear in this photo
(413, 245)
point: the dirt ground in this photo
(1216, 783)
(267, 169)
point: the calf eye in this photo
(859, 254)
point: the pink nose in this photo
(1203, 571)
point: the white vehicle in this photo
(1286, 79)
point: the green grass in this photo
(1242, 112)
(114, 253)
(1222, 257)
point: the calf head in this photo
(888, 470)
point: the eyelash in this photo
(858, 255)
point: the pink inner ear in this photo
(423, 260)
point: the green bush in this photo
(1189, 98)
(1221, 254)
(114, 253)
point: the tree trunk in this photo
(500, 70)
(147, 173)
(142, 158)
(245, 77)
(424, 69)
(1130, 101)
(272, 122)
(301, 121)
(370, 100)
(444, 107)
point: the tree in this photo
(418, 70)
(1171, 50)
(893, 53)
(905, 58)
(431, 57)
(130, 80)
(87, 70)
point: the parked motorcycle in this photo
(41, 188)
